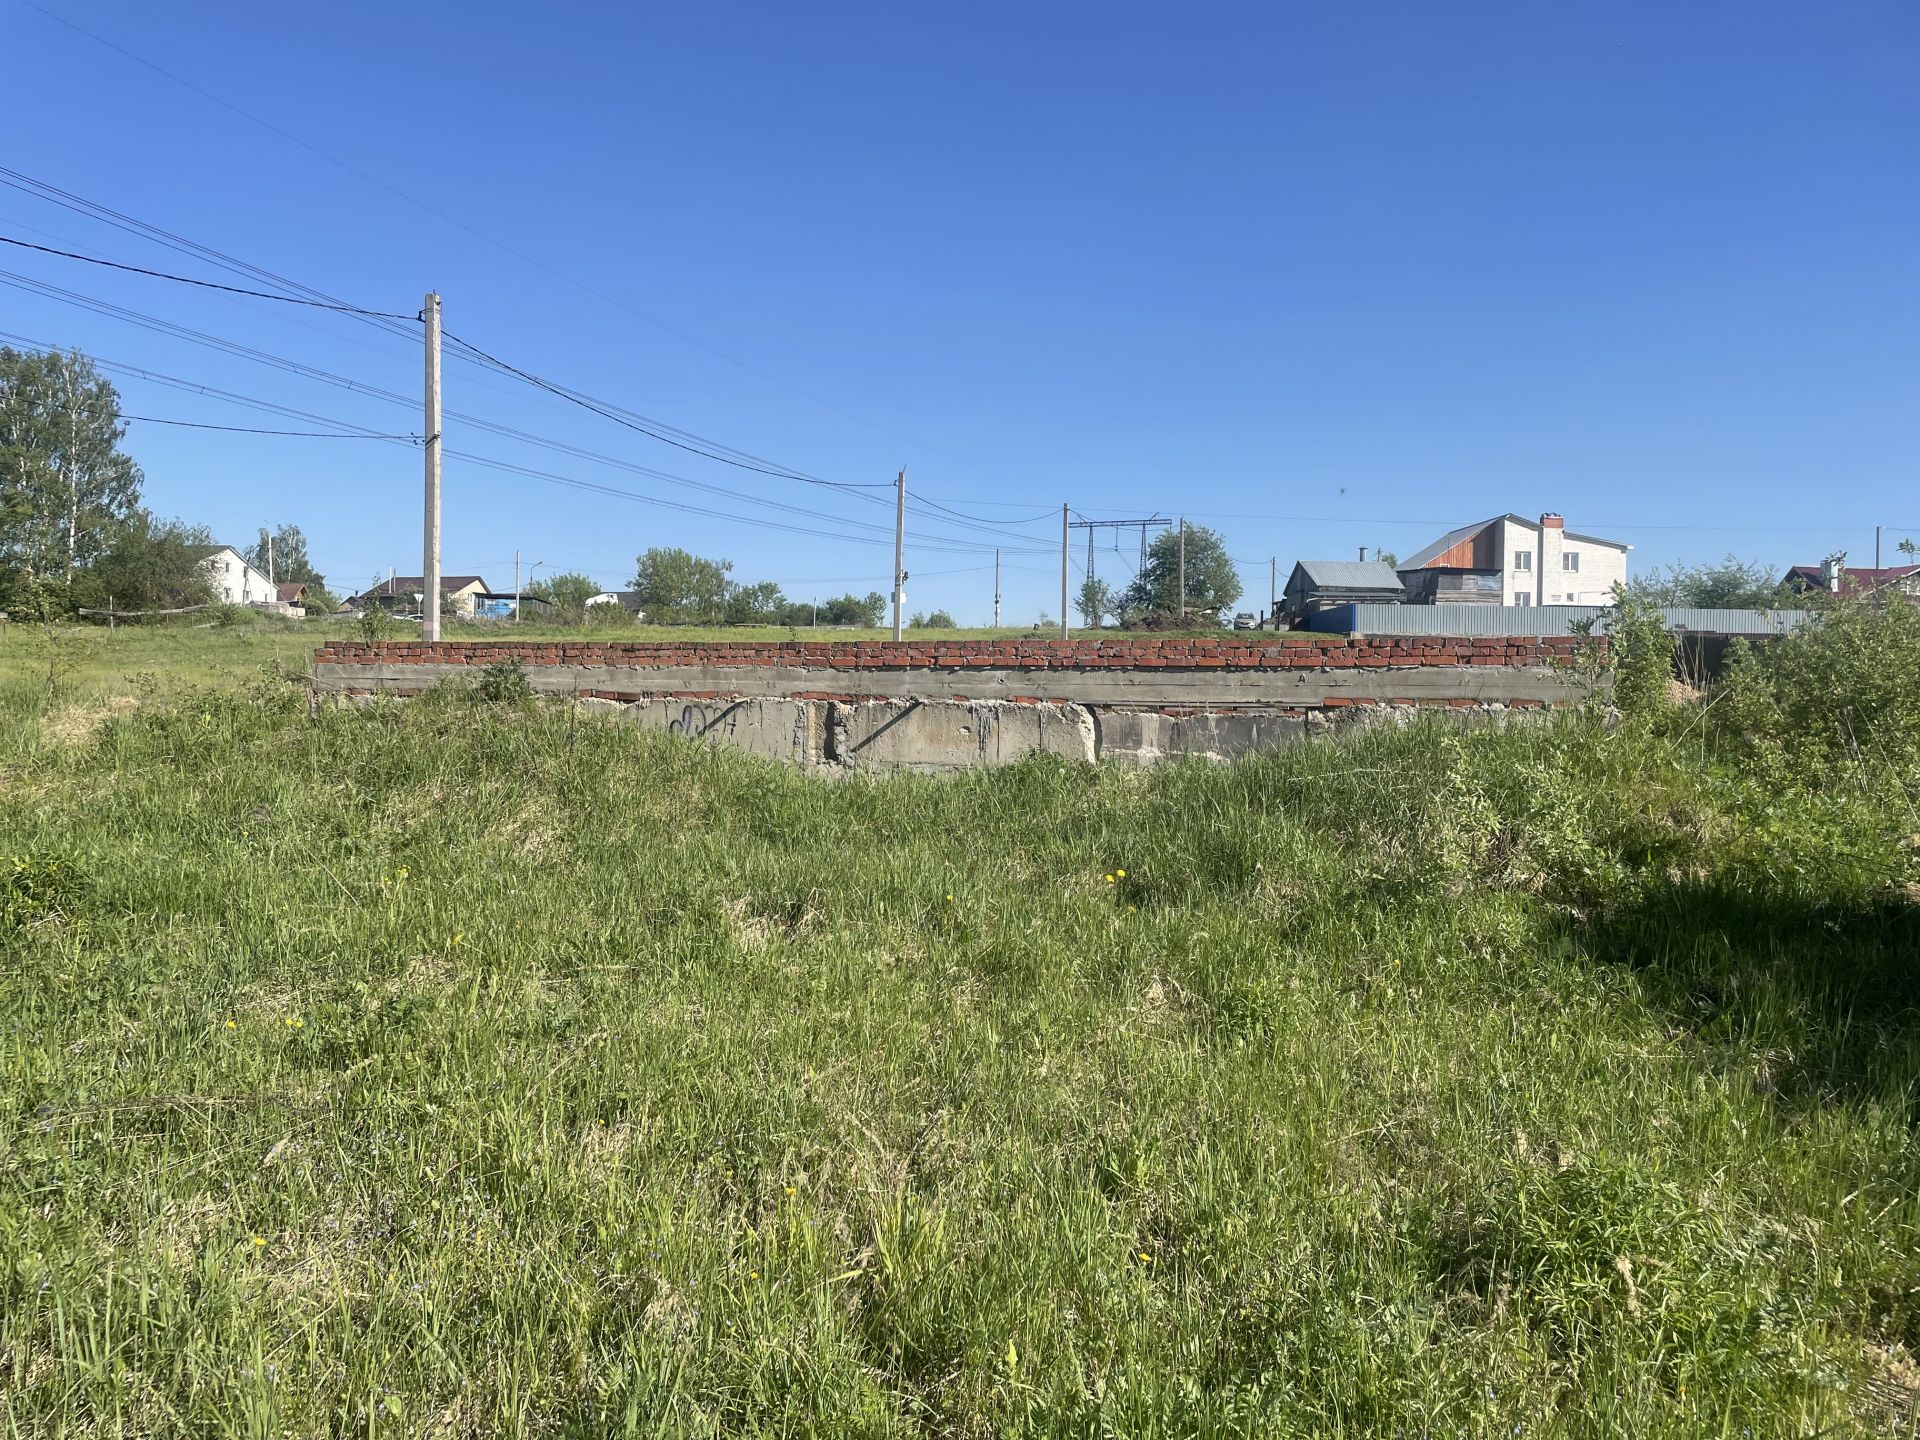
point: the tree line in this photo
(74, 533)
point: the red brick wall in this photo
(1227, 652)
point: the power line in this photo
(660, 430)
(203, 284)
(415, 200)
(251, 430)
(610, 413)
(655, 429)
(881, 537)
(311, 372)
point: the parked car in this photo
(1246, 621)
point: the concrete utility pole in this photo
(899, 550)
(1273, 585)
(1876, 548)
(270, 579)
(516, 587)
(1183, 567)
(430, 602)
(996, 587)
(1066, 539)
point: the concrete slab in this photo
(1135, 737)
(932, 736)
(790, 730)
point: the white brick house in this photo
(234, 581)
(1523, 562)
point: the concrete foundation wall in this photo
(862, 706)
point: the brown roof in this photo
(290, 592)
(414, 584)
(1854, 578)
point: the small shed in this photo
(1317, 585)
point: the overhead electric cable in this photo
(203, 284)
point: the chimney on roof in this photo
(1831, 569)
(1363, 553)
(1551, 521)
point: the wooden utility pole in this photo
(1066, 537)
(430, 582)
(996, 587)
(1273, 586)
(1183, 567)
(899, 550)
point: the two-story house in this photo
(1509, 560)
(234, 581)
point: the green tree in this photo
(679, 588)
(568, 592)
(285, 558)
(848, 609)
(938, 620)
(760, 604)
(1096, 601)
(149, 564)
(65, 486)
(1732, 584)
(1212, 581)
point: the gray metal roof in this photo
(1350, 575)
(1369, 619)
(1453, 537)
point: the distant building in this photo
(234, 581)
(629, 600)
(1316, 585)
(404, 593)
(292, 592)
(508, 607)
(1836, 577)
(1509, 560)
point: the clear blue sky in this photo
(1319, 275)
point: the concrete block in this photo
(1143, 737)
(790, 730)
(932, 736)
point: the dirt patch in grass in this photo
(75, 726)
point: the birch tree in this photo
(65, 485)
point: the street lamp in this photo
(516, 586)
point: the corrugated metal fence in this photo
(1373, 619)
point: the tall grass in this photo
(459, 1069)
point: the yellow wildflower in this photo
(1121, 873)
(259, 1242)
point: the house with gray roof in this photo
(1316, 585)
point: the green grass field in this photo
(443, 1069)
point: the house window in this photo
(1569, 559)
(1520, 597)
(1523, 559)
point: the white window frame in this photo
(1520, 597)
(1570, 561)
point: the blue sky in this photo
(1320, 276)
